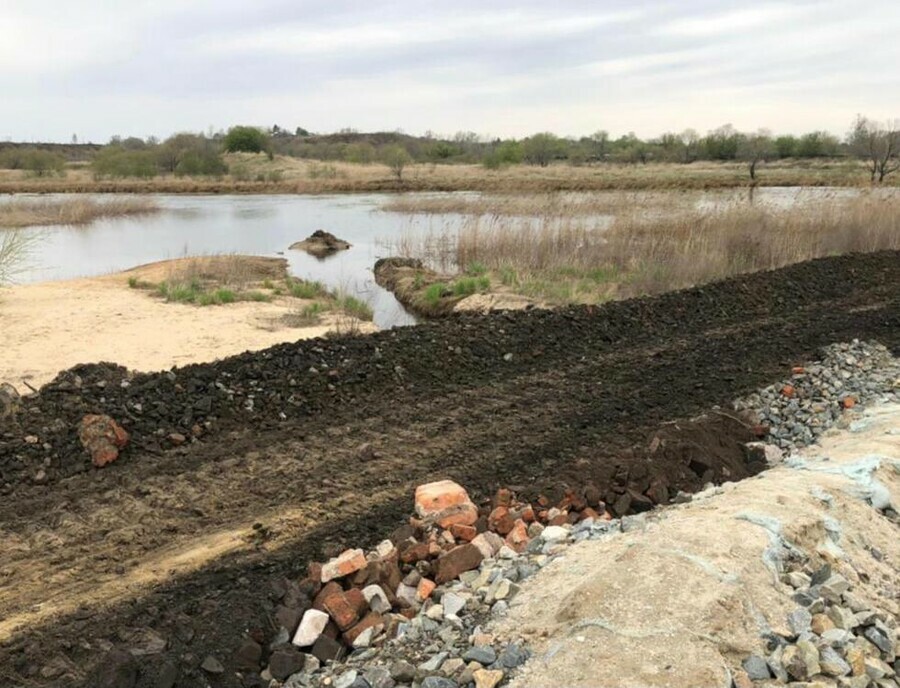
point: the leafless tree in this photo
(756, 148)
(878, 144)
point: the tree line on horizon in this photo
(199, 154)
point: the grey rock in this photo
(403, 672)
(438, 682)
(211, 665)
(513, 656)
(832, 664)
(483, 654)
(756, 667)
(835, 586)
(453, 603)
(776, 666)
(880, 639)
(286, 660)
(166, 675)
(837, 637)
(799, 621)
(379, 677)
(347, 679)
(117, 669)
(434, 663)
(842, 617)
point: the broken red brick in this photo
(528, 514)
(788, 390)
(411, 552)
(589, 513)
(435, 497)
(102, 437)
(500, 520)
(456, 561)
(503, 497)
(371, 620)
(559, 519)
(343, 610)
(327, 591)
(426, 587)
(518, 536)
(349, 561)
(461, 532)
(848, 402)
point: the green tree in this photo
(41, 163)
(116, 162)
(785, 146)
(361, 153)
(722, 143)
(396, 158)
(542, 149)
(244, 139)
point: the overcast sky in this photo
(96, 68)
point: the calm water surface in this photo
(258, 225)
(267, 225)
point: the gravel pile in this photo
(800, 409)
(836, 639)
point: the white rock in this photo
(554, 534)
(377, 599)
(384, 549)
(435, 612)
(452, 603)
(311, 626)
(408, 594)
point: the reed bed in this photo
(28, 212)
(559, 259)
(291, 175)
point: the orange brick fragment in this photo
(426, 587)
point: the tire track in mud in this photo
(602, 383)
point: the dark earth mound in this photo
(344, 428)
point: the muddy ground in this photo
(309, 446)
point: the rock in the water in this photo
(320, 244)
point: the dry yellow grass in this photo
(26, 213)
(566, 259)
(257, 174)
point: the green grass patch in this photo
(466, 286)
(301, 289)
(355, 307)
(476, 269)
(434, 292)
(508, 277)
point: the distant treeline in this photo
(201, 154)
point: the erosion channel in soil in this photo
(314, 445)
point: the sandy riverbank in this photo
(51, 326)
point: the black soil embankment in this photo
(344, 428)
